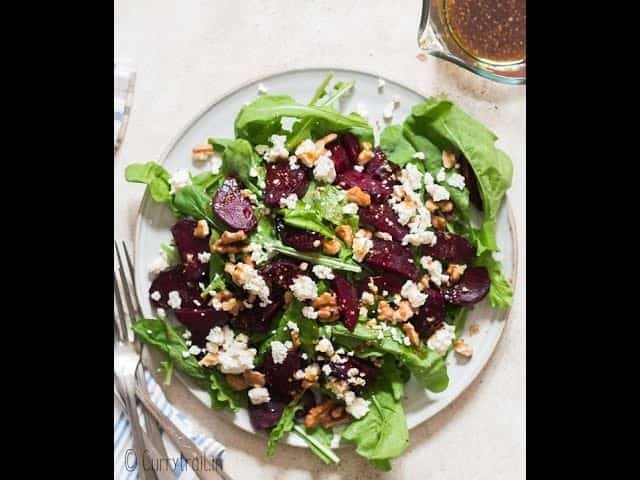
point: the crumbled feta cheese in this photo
(204, 257)
(411, 292)
(323, 272)
(410, 176)
(420, 238)
(363, 311)
(194, 350)
(161, 313)
(179, 180)
(174, 299)
(324, 170)
(434, 267)
(367, 298)
(158, 265)
(438, 192)
(278, 150)
(358, 407)
(441, 175)
(303, 288)
(352, 372)
(350, 209)
(293, 326)
(250, 280)
(325, 346)
(259, 254)
(428, 180)
(361, 110)
(456, 180)
(316, 243)
(312, 372)
(298, 375)
(361, 246)
(186, 335)
(326, 369)
(406, 341)
(216, 335)
(293, 163)
(309, 312)
(381, 83)
(358, 168)
(387, 113)
(262, 89)
(289, 201)
(384, 236)
(304, 356)
(303, 266)
(307, 152)
(216, 164)
(405, 210)
(441, 340)
(259, 395)
(156, 296)
(418, 155)
(278, 352)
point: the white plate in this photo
(217, 120)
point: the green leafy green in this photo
(328, 201)
(207, 181)
(240, 160)
(306, 220)
(319, 441)
(321, 91)
(427, 366)
(220, 144)
(500, 291)
(222, 395)
(396, 375)
(284, 425)
(216, 284)
(397, 148)
(449, 127)
(216, 262)
(281, 333)
(458, 318)
(171, 254)
(167, 368)
(193, 201)
(152, 174)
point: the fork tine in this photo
(121, 315)
(134, 294)
(127, 297)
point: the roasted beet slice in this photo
(280, 272)
(472, 287)
(471, 182)
(189, 246)
(232, 208)
(258, 319)
(341, 370)
(266, 415)
(450, 247)
(389, 282)
(382, 218)
(393, 257)
(378, 167)
(431, 314)
(200, 321)
(300, 239)
(347, 296)
(174, 279)
(378, 190)
(339, 156)
(351, 145)
(279, 376)
(282, 181)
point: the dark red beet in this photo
(280, 272)
(189, 246)
(472, 287)
(279, 376)
(388, 282)
(382, 218)
(378, 167)
(339, 156)
(200, 321)
(340, 370)
(471, 182)
(347, 300)
(300, 239)
(232, 208)
(258, 319)
(450, 247)
(431, 314)
(378, 190)
(351, 146)
(282, 181)
(174, 279)
(393, 257)
(266, 415)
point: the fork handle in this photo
(188, 449)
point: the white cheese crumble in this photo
(350, 209)
(158, 265)
(278, 352)
(387, 113)
(260, 150)
(434, 267)
(323, 272)
(361, 246)
(216, 164)
(384, 236)
(418, 155)
(194, 350)
(411, 292)
(258, 395)
(156, 296)
(307, 152)
(367, 298)
(326, 369)
(293, 163)
(204, 257)
(161, 313)
(233, 354)
(411, 176)
(174, 299)
(438, 192)
(309, 312)
(325, 346)
(358, 168)
(298, 375)
(456, 180)
(179, 180)
(441, 175)
(358, 407)
(258, 254)
(250, 280)
(262, 89)
(324, 170)
(186, 335)
(428, 179)
(303, 288)
(290, 201)
(405, 210)
(441, 340)
(278, 150)
(293, 326)
(421, 238)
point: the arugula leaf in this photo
(500, 290)
(171, 254)
(327, 201)
(222, 395)
(207, 181)
(457, 316)
(154, 176)
(427, 366)
(284, 425)
(167, 368)
(261, 119)
(220, 144)
(321, 91)
(340, 89)
(193, 201)
(293, 313)
(216, 262)
(319, 441)
(306, 220)
(240, 160)
(397, 148)
(216, 284)
(449, 127)
(396, 376)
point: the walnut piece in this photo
(439, 223)
(358, 196)
(431, 205)
(345, 233)
(448, 159)
(228, 238)
(386, 313)
(455, 272)
(201, 153)
(446, 206)
(236, 382)
(330, 246)
(462, 348)
(254, 378)
(227, 243)
(410, 332)
(201, 230)
(209, 360)
(327, 307)
(326, 414)
(366, 154)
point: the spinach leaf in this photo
(154, 176)
(395, 375)
(284, 425)
(193, 201)
(241, 161)
(397, 148)
(500, 291)
(220, 144)
(208, 181)
(319, 441)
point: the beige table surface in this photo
(190, 52)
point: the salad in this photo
(312, 274)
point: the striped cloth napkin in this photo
(124, 80)
(123, 456)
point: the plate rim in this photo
(504, 315)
